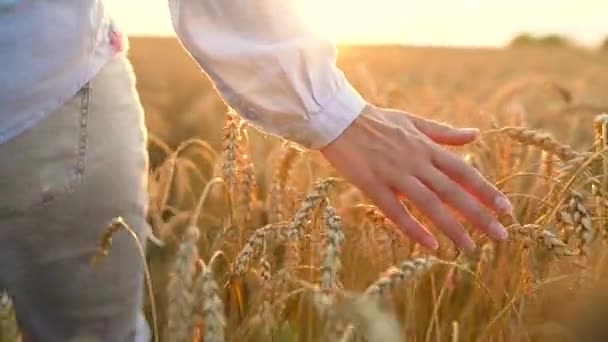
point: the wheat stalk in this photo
(232, 136)
(575, 214)
(544, 238)
(212, 306)
(265, 311)
(406, 271)
(103, 249)
(330, 266)
(313, 198)
(255, 243)
(277, 210)
(546, 143)
(181, 301)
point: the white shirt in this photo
(262, 58)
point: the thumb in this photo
(444, 134)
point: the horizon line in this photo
(571, 42)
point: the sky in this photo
(421, 22)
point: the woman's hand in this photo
(390, 154)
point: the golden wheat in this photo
(302, 259)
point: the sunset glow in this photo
(432, 22)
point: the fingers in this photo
(433, 208)
(467, 176)
(444, 134)
(387, 201)
(383, 153)
(462, 201)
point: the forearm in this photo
(268, 66)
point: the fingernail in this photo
(497, 231)
(503, 205)
(430, 242)
(474, 131)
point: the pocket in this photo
(48, 160)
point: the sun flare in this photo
(330, 18)
(343, 20)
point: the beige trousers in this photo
(62, 182)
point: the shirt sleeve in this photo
(269, 66)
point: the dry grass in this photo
(264, 242)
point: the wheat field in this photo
(259, 240)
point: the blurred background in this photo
(434, 22)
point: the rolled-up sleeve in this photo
(269, 66)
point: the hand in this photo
(390, 154)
